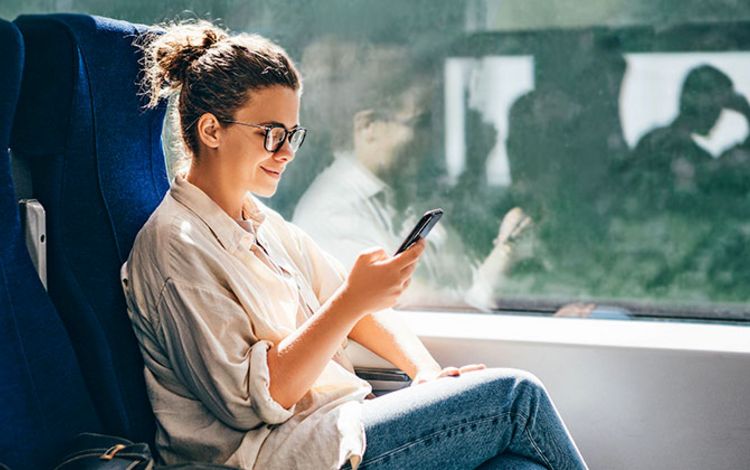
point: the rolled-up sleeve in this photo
(209, 338)
(269, 409)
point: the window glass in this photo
(592, 158)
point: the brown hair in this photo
(210, 71)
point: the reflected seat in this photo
(43, 400)
(98, 169)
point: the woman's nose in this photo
(285, 152)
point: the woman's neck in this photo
(210, 182)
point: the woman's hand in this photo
(377, 280)
(434, 374)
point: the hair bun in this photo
(211, 36)
(169, 56)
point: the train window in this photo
(592, 160)
(627, 148)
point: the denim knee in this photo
(521, 377)
(520, 384)
(528, 379)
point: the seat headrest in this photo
(11, 52)
(86, 69)
(11, 56)
(68, 49)
(42, 118)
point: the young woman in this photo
(242, 319)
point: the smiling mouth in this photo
(273, 174)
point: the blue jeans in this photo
(489, 419)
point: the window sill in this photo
(581, 332)
(434, 327)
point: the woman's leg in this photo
(462, 422)
(510, 462)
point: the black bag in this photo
(91, 451)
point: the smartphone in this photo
(383, 381)
(423, 227)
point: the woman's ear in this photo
(209, 130)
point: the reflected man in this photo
(369, 195)
(666, 161)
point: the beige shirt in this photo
(206, 305)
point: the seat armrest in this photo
(35, 232)
(383, 376)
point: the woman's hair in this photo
(208, 71)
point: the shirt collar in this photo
(226, 230)
(357, 176)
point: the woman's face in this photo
(249, 164)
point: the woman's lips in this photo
(272, 173)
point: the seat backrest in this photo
(97, 166)
(43, 400)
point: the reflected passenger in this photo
(667, 161)
(242, 318)
(729, 174)
(365, 197)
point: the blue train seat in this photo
(43, 400)
(97, 166)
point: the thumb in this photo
(373, 254)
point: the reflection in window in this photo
(630, 171)
(592, 159)
(651, 92)
(488, 86)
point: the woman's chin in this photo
(265, 191)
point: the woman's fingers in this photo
(407, 271)
(471, 368)
(411, 255)
(372, 255)
(457, 371)
(449, 372)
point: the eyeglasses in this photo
(276, 134)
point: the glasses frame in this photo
(267, 141)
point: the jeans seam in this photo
(436, 433)
(536, 447)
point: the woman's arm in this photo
(385, 335)
(388, 337)
(375, 283)
(298, 359)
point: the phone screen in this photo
(423, 227)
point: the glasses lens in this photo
(275, 138)
(298, 136)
